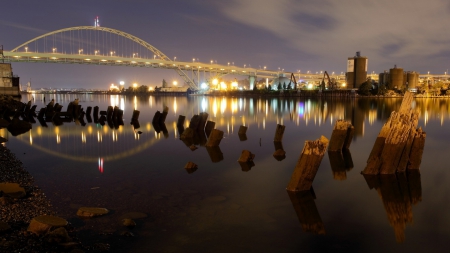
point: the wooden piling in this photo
(279, 132)
(242, 130)
(180, 121)
(246, 156)
(88, 111)
(308, 164)
(341, 136)
(109, 112)
(214, 138)
(135, 115)
(209, 127)
(418, 145)
(95, 111)
(307, 212)
(156, 117)
(164, 113)
(195, 121)
(203, 118)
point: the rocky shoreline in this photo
(17, 212)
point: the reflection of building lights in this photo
(31, 139)
(89, 129)
(175, 105)
(58, 139)
(83, 137)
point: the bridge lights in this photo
(96, 51)
(54, 49)
(80, 51)
(26, 49)
(112, 52)
(175, 83)
(174, 58)
(215, 81)
(264, 67)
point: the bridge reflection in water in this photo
(75, 142)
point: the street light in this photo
(26, 49)
(54, 49)
(96, 51)
(80, 51)
(154, 56)
(212, 61)
(193, 59)
(264, 67)
(175, 83)
(174, 58)
(112, 52)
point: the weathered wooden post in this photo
(195, 121)
(214, 138)
(163, 116)
(279, 132)
(246, 156)
(95, 112)
(415, 157)
(341, 136)
(109, 112)
(180, 121)
(215, 154)
(242, 130)
(156, 117)
(135, 115)
(308, 164)
(203, 118)
(394, 147)
(210, 125)
(88, 111)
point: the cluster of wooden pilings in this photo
(113, 116)
(399, 145)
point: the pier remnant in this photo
(214, 138)
(396, 148)
(181, 120)
(341, 136)
(279, 132)
(308, 164)
(210, 125)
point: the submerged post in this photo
(279, 132)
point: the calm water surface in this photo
(222, 207)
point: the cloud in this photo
(383, 30)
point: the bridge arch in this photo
(133, 38)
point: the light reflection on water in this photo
(228, 207)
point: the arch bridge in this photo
(94, 45)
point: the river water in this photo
(223, 207)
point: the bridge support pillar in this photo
(251, 80)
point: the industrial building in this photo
(9, 83)
(356, 71)
(398, 79)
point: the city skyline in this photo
(291, 35)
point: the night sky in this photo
(287, 34)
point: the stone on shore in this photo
(89, 212)
(44, 223)
(12, 190)
(128, 223)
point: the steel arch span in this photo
(128, 36)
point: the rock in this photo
(42, 224)
(91, 211)
(13, 190)
(58, 235)
(4, 226)
(128, 223)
